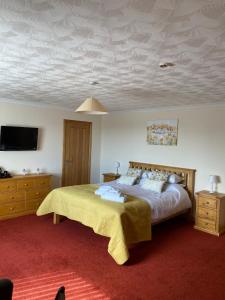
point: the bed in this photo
(124, 223)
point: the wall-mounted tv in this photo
(14, 138)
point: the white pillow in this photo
(128, 180)
(146, 174)
(174, 178)
(142, 180)
(152, 185)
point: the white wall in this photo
(201, 142)
(122, 136)
(50, 123)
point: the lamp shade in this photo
(91, 106)
(213, 179)
(117, 164)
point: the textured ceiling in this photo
(51, 50)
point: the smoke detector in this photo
(94, 83)
(166, 65)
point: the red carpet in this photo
(179, 263)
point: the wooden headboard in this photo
(188, 175)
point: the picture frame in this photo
(162, 132)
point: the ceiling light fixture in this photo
(91, 106)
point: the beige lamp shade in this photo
(213, 179)
(91, 106)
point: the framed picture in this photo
(162, 132)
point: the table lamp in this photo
(117, 164)
(213, 180)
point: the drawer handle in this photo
(25, 184)
(37, 193)
(12, 208)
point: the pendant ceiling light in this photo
(91, 106)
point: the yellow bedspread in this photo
(124, 223)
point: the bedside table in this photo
(210, 212)
(110, 176)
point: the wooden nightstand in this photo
(210, 212)
(110, 176)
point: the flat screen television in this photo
(14, 138)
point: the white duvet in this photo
(173, 200)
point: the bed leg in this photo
(56, 218)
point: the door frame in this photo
(64, 144)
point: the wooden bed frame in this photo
(188, 176)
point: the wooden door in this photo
(76, 152)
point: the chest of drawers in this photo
(22, 195)
(210, 212)
(110, 176)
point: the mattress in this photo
(172, 200)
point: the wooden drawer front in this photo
(7, 186)
(33, 205)
(108, 178)
(37, 194)
(206, 224)
(42, 182)
(12, 208)
(25, 184)
(207, 202)
(11, 197)
(207, 213)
